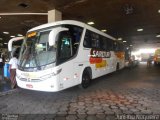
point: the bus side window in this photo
(87, 40)
(115, 46)
(108, 44)
(122, 47)
(103, 43)
(95, 41)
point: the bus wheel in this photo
(85, 80)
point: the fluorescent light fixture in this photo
(147, 50)
(139, 30)
(119, 38)
(19, 35)
(131, 45)
(104, 30)
(6, 32)
(5, 43)
(158, 11)
(90, 23)
(158, 36)
(144, 50)
(124, 41)
(12, 36)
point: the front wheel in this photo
(85, 80)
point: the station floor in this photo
(133, 91)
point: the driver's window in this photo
(65, 47)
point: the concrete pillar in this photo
(54, 15)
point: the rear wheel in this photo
(85, 80)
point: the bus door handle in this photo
(80, 65)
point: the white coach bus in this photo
(59, 55)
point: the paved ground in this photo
(134, 92)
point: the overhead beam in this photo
(1, 14)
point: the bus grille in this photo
(30, 80)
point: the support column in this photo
(54, 15)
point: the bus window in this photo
(87, 40)
(68, 43)
(115, 46)
(103, 43)
(64, 46)
(109, 45)
(91, 40)
(76, 35)
(121, 47)
(95, 40)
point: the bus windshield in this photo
(36, 51)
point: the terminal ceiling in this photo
(121, 18)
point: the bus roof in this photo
(71, 22)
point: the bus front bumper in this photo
(49, 85)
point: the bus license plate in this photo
(29, 86)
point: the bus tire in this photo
(86, 80)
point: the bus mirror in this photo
(11, 42)
(53, 34)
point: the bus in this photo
(156, 57)
(63, 54)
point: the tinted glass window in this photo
(109, 44)
(87, 40)
(93, 40)
(103, 43)
(68, 43)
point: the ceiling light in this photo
(158, 11)
(124, 41)
(104, 30)
(90, 23)
(131, 45)
(0, 17)
(6, 32)
(19, 35)
(12, 36)
(139, 30)
(5, 43)
(119, 38)
(158, 36)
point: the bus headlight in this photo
(56, 72)
(18, 76)
(50, 75)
